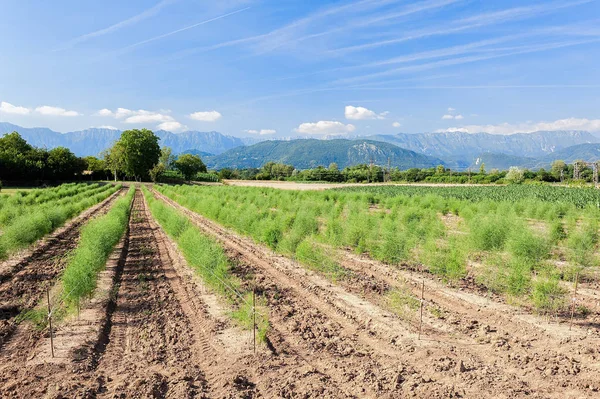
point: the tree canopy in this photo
(189, 165)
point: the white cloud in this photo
(8, 108)
(450, 109)
(396, 124)
(108, 127)
(206, 116)
(361, 113)
(172, 126)
(459, 117)
(104, 112)
(591, 125)
(143, 116)
(448, 116)
(325, 127)
(55, 111)
(262, 132)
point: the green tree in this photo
(189, 165)
(558, 169)
(140, 152)
(515, 175)
(167, 158)
(440, 170)
(482, 169)
(114, 158)
(63, 164)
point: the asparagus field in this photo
(217, 291)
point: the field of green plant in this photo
(516, 241)
(98, 239)
(208, 260)
(27, 216)
(581, 197)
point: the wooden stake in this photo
(50, 322)
(573, 300)
(421, 310)
(254, 317)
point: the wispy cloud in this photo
(467, 59)
(150, 12)
(460, 25)
(183, 29)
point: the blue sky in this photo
(302, 68)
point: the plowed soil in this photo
(25, 278)
(163, 334)
(471, 345)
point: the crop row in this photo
(11, 211)
(98, 239)
(41, 195)
(580, 197)
(491, 241)
(26, 228)
(208, 260)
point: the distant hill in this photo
(93, 141)
(309, 153)
(465, 148)
(201, 154)
(585, 152)
(499, 161)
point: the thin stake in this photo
(421, 310)
(573, 300)
(254, 317)
(50, 322)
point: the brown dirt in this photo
(164, 334)
(25, 278)
(471, 349)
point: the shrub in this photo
(548, 296)
(490, 233)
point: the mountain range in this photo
(95, 140)
(310, 153)
(456, 150)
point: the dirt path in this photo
(23, 280)
(428, 367)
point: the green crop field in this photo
(517, 241)
(27, 216)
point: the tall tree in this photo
(189, 165)
(140, 152)
(114, 158)
(167, 158)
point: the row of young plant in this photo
(97, 241)
(26, 228)
(9, 213)
(41, 195)
(579, 197)
(208, 260)
(492, 241)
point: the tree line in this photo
(135, 156)
(560, 171)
